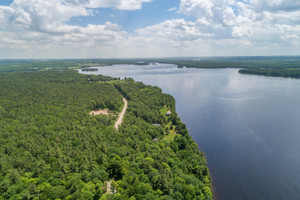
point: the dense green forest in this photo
(52, 64)
(287, 73)
(236, 62)
(51, 148)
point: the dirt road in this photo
(121, 115)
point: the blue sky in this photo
(6, 2)
(148, 28)
(152, 13)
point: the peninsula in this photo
(52, 148)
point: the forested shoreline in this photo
(286, 73)
(51, 148)
(255, 62)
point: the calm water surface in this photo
(248, 126)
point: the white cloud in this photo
(37, 15)
(249, 19)
(275, 5)
(288, 32)
(197, 8)
(174, 30)
(118, 4)
(39, 28)
(230, 27)
(36, 26)
(171, 9)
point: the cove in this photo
(247, 126)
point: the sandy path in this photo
(121, 115)
(108, 189)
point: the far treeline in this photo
(51, 148)
(287, 73)
(236, 62)
(53, 64)
(203, 62)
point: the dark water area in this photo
(247, 126)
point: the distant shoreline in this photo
(284, 73)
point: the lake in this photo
(248, 126)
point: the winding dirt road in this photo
(121, 115)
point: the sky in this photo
(148, 28)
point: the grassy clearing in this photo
(170, 137)
(172, 133)
(164, 110)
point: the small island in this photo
(89, 70)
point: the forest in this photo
(51, 148)
(283, 72)
(64, 64)
(236, 62)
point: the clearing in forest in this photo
(99, 112)
(107, 112)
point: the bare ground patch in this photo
(109, 188)
(100, 112)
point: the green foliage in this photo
(51, 148)
(236, 62)
(282, 72)
(38, 65)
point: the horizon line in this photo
(151, 58)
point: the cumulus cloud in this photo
(230, 27)
(197, 8)
(118, 4)
(249, 19)
(275, 5)
(212, 27)
(174, 30)
(38, 25)
(36, 15)
(41, 15)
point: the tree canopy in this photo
(51, 148)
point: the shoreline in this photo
(119, 121)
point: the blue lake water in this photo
(248, 126)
